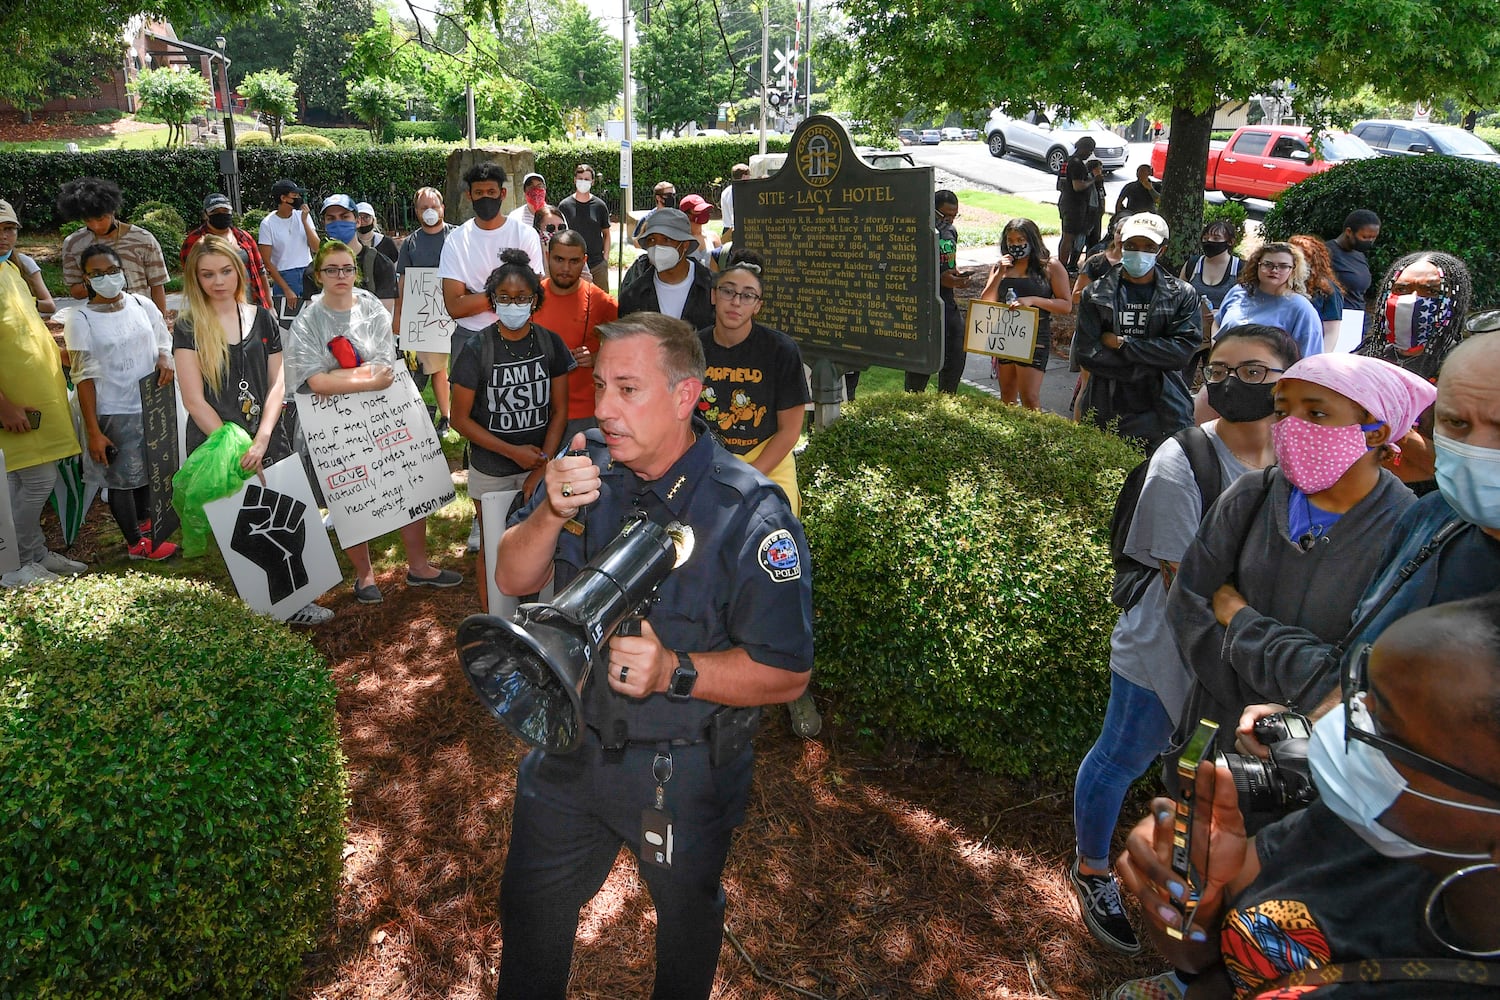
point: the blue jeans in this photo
(1136, 730)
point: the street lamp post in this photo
(229, 161)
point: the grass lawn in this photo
(1009, 206)
(154, 138)
(873, 380)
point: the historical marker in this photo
(851, 253)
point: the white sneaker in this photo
(28, 576)
(56, 562)
(311, 614)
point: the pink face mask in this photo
(536, 198)
(1314, 457)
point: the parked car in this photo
(710, 133)
(951, 134)
(1396, 138)
(907, 136)
(930, 136)
(1262, 161)
(1051, 141)
(885, 159)
(971, 134)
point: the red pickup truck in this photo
(1261, 161)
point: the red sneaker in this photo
(140, 550)
(165, 550)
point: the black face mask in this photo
(1364, 246)
(1242, 403)
(296, 203)
(220, 220)
(1019, 251)
(486, 208)
(1212, 248)
(367, 229)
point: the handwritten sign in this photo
(493, 509)
(10, 553)
(159, 414)
(377, 458)
(425, 323)
(996, 329)
(274, 545)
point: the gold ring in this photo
(567, 489)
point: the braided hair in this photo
(1447, 329)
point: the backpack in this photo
(487, 352)
(1132, 577)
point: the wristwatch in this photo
(680, 687)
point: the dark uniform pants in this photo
(951, 375)
(572, 813)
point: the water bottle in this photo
(1010, 296)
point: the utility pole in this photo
(807, 54)
(627, 161)
(765, 57)
(231, 165)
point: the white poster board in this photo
(10, 553)
(1351, 332)
(425, 323)
(378, 459)
(996, 329)
(492, 510)
(274, 545)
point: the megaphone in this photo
(530, 671)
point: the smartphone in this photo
(1190, 825)
(34, 418)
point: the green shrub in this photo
(441, 131)
(69, 228)
(105, 116)
(255, 138)
(962, 575)
(172, 809)
(166, 226)
(1490, 134)
(343, 138)
(306, 140)
(1424, 203)
(250, 221)
(169, 213)
(1232, 212)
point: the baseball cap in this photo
(286, 186)
(340, 200)
(528, 179)
(1153, 227)
(670, 222)
(363, 208)
(216, 200)
(695, 208)
(7, 214)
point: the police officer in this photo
(665, 761)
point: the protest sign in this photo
(159, 415)
(425, 323)
(274, 545)
(1002, 331)
(493, 508)
(10, 554)
(377, 458)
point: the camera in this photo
(1284, 783)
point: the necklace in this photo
(505, 343)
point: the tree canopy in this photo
(172, 94)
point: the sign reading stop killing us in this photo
(377, 457)
(1002, 331)
(851, 253)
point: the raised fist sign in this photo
(271, 532)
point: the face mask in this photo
(1411, 321)
(296, 203)
(664, 258)
(5, 256)
(486, 208)
(430, 216)
(515, 315)
(1137, 263)
(107, 286)
(1313, 456)
(1212, 248)
(1469, 479)
(1364, 246)
(342, 230)
(367, 229)
(583, 187)
(1359, 784)
(220, 220)
(1241, 402)
(1019, 251)
(536, 198)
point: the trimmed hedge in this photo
(181, 177)
(962, 575)
(173, 794)
(1424, 203)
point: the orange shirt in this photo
(576, 318)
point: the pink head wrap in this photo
(1392, 395)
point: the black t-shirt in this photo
(1352, 268)
(515, 401)
(1078, 169)
(1136, 197)
(589, 219)
(1133, 309)
(246, 377)
(748, 384)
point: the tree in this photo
(579, 65)
(1185, 56)
(265, 38)
(172, 94)
(333, 28)
(272, 95)
(33, 74)
(377, 102)
(679, 64)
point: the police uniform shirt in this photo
(746, 584)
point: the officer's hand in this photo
(639, 665)
(572, 480)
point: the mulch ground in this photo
(61, 127)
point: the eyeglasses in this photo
(506, 300)
(1432, 288)
(1267, 265)
(102, 274)
(735, 295)
(1249, 373)
(1357, 682)
(337, 272)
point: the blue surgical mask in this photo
(343, 230)
(5, 256)
(1469, 479)
(1137, 263)
(1358, 783)
(515, 315)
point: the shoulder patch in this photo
(778, 556)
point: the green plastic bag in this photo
(210, 473)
